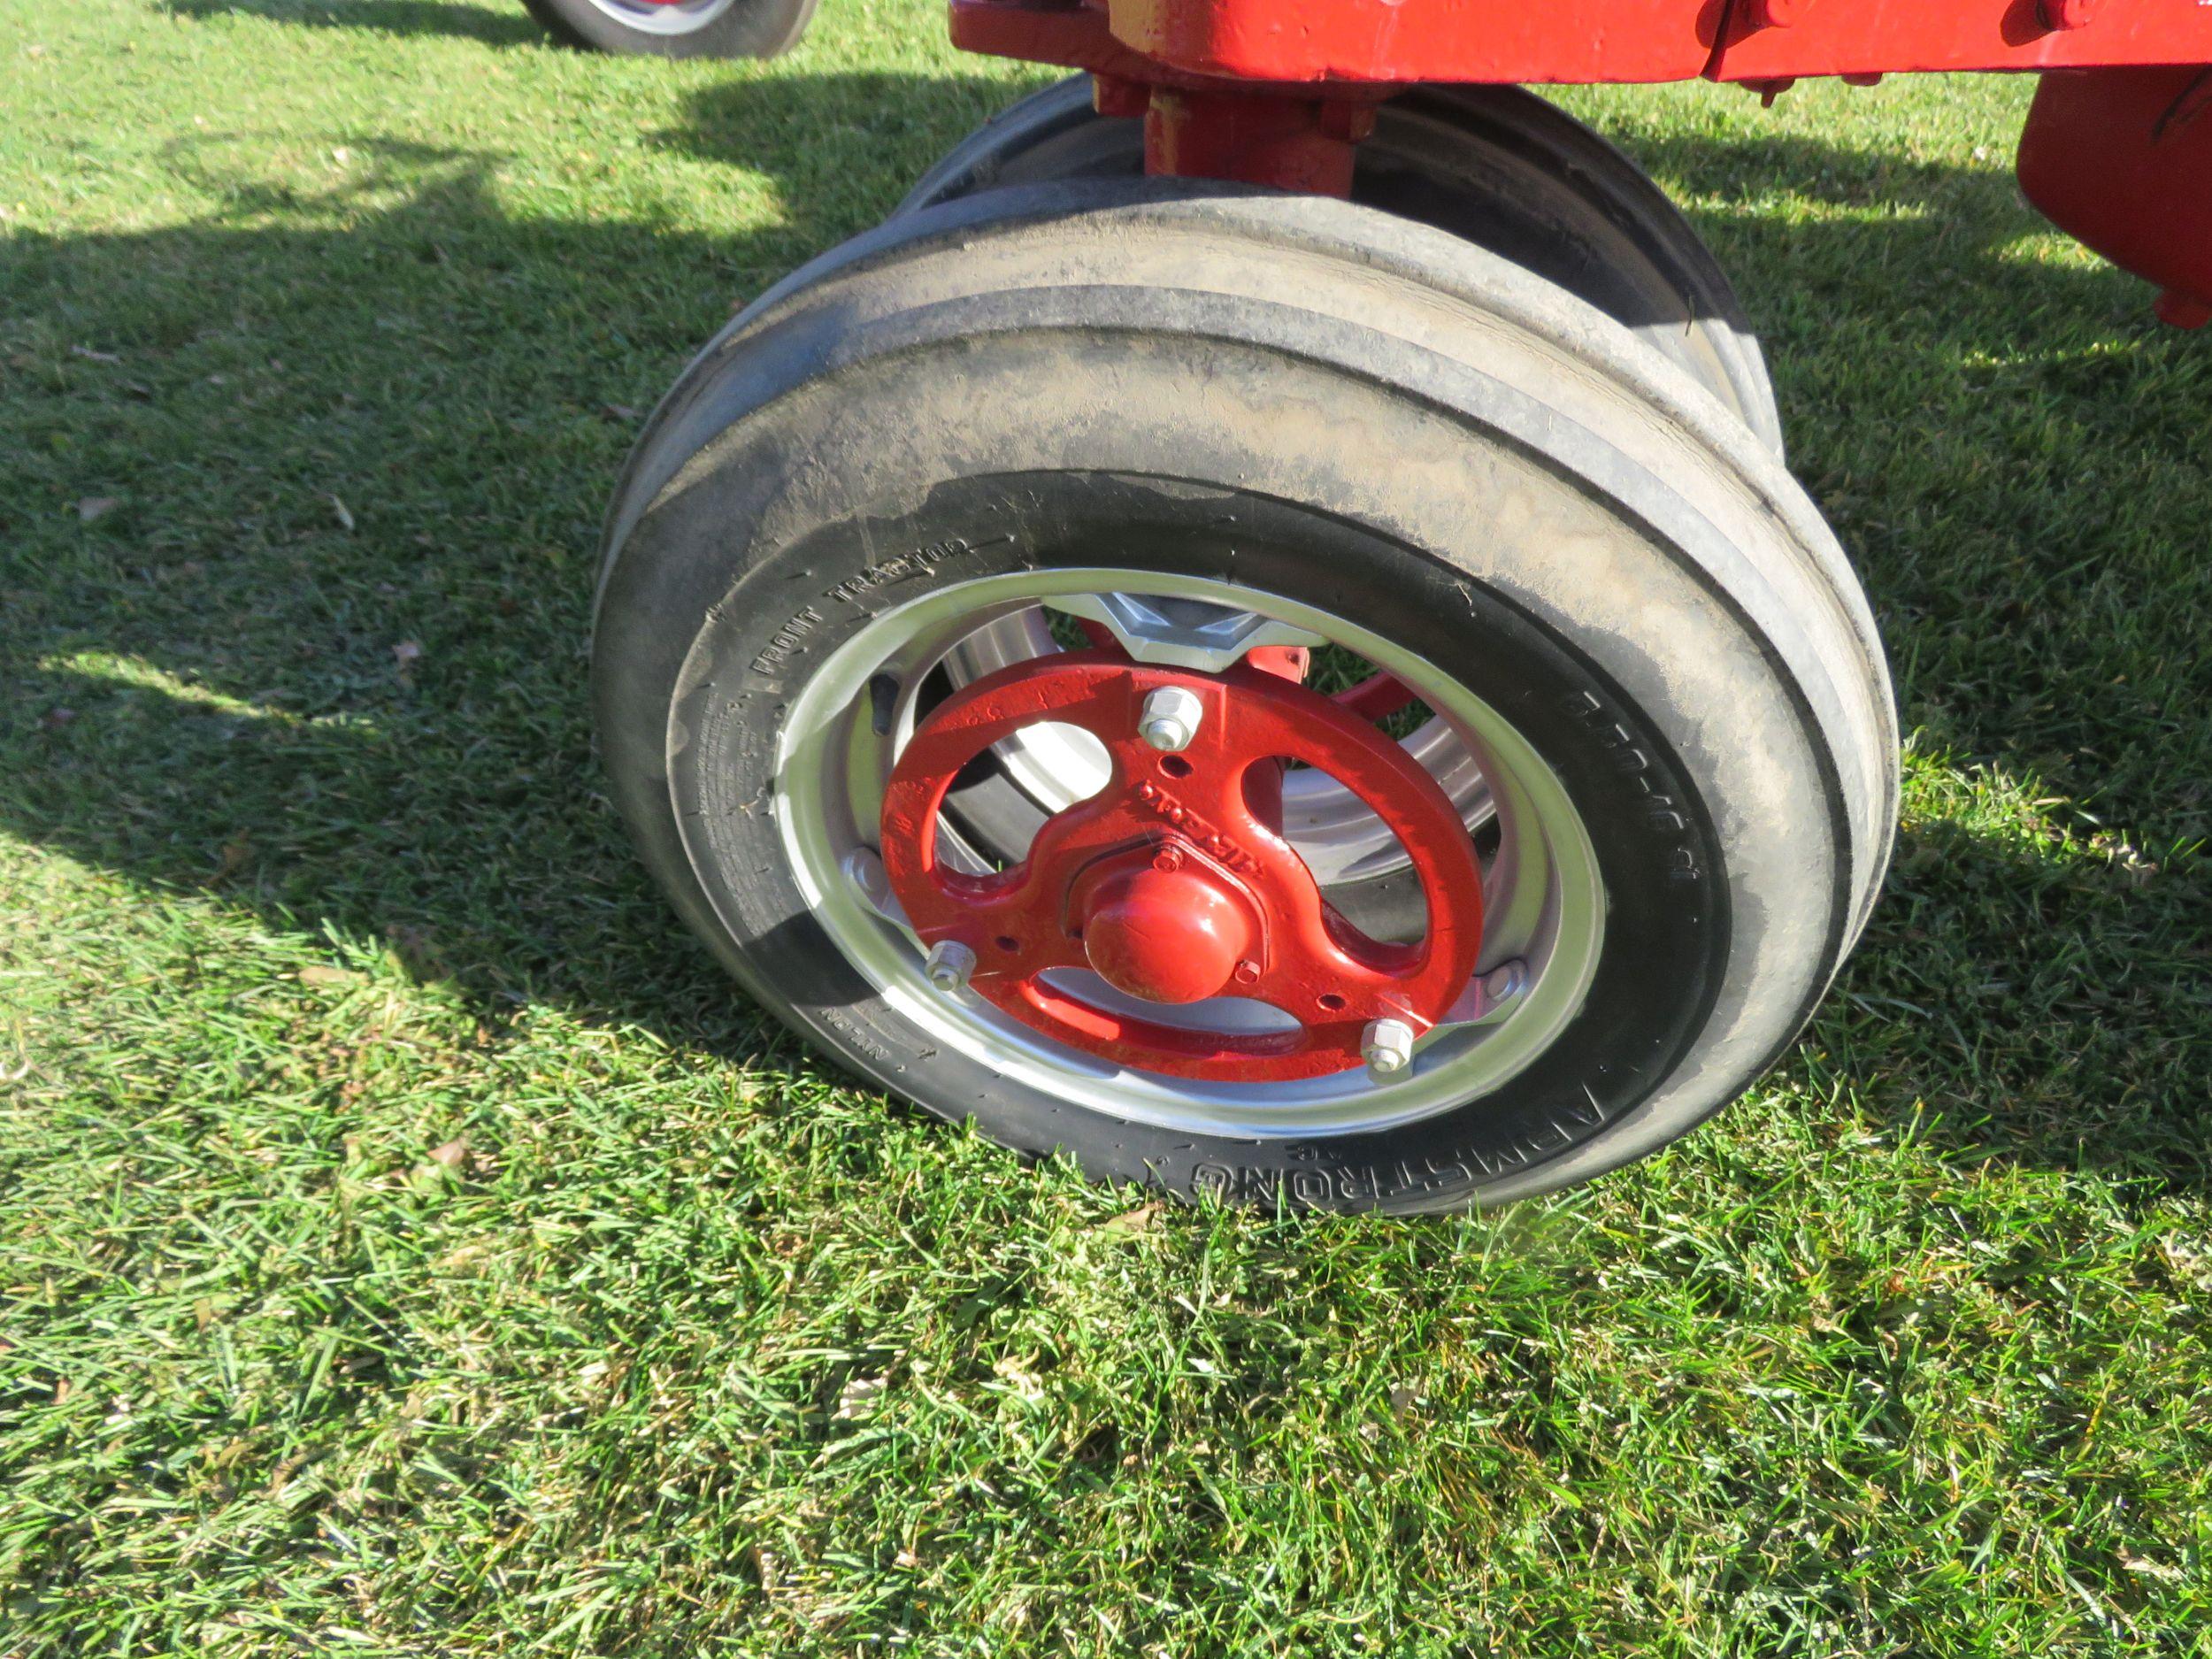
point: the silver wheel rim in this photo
(683, 17)
(1544, 902)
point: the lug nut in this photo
(1170, 718)
(949, 964)
(1387, 1047)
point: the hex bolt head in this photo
(1387, 1047)
(948, 965)
(1170, 718)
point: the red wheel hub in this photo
(1174, 883)
(1161, 926)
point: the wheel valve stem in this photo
(949, 964)
(1170, 718)
(1387, 1047)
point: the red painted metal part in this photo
(1837, 37)
(1289, 41)
(1305, 41)
(1173, 882)
(1376, 697)
(1166, 924)
(1278, 92)
(1289, 143)
(2122, 158)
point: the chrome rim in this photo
(1544, 903)
(683, 17)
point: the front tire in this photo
(1334, 421)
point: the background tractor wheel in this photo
(683, 28)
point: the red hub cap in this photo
(1174, 883)
(1162, 926)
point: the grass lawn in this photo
(411, 1244)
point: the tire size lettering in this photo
(852, 1031)
(1327, 1185)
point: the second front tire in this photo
(1496, 167)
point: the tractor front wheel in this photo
(1269, 547)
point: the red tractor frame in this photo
(2113, 153)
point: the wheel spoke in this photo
(1376, 697)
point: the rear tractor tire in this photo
(1100, 487)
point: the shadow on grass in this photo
(322, 657)
(494, 25)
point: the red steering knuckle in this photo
(1174, 885)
